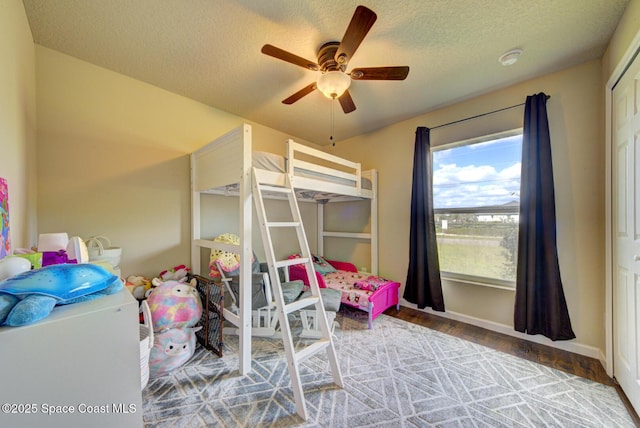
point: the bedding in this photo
(355, 286)
(322, 266)
(277, 163)
(360, 290)
(268, 161)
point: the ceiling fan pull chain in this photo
(333, 143)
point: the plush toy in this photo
(11, 266)
(175, 307)
(30, 296)
(138, 286)
(178, 273)
(229, 262)
(174, 304)
(171, 349)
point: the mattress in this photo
(344, 281)
(268, 161)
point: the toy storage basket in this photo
(100, 249)
(146, 343)
(212, 297)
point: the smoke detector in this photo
(510, 57)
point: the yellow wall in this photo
(17, 120)
(113, 160)
(626, 30)
(575, 112)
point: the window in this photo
(476, 196)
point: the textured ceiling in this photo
(209, 50)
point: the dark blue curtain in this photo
(540, 305)
(423, 286)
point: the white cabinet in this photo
(84, 356)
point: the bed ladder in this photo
(325, 342)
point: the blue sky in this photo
(477, 175)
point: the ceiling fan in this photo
(333, 58)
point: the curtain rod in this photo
(480, 115)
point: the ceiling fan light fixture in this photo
(333, 83)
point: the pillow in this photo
(319, 264)
(291, 290)
(330, 298)
(322, 266)
(258, 296)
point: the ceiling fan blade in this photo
(380, 73)
(289, 57)
(361, 22)
(301, 93)
(347, 102)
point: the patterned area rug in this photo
(398, 375)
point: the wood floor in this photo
(582, 366)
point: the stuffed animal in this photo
(138, 286)
(11, 266)
(174, 304)
(178, 273)
(171, 349)
(229, 262)
(30, 296)
(175, 307)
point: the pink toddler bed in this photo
(360, 290)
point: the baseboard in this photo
(566, 345)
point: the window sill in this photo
(476, 282)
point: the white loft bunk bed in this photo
(224, 166)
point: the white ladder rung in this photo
(283, 224)
(291, 262)
(312, 349)
(276, 189)
(296, 305)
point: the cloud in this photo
(473, 186)
(453, 174)
(512, 171)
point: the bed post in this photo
(320, 245)
(374, 222)
(195, 222)
(246, 253)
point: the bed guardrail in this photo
(350, 171)
(348, 174)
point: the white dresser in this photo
(81, 364)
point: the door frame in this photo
(618, 72)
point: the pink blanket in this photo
(347, 282)
(371, 283)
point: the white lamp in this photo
(52, 242)
(333, 83)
